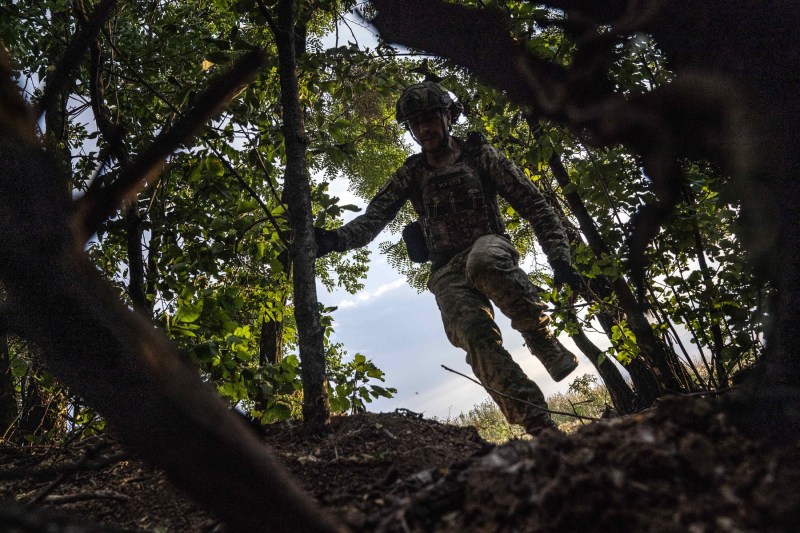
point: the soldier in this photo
(453, 186)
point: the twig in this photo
(267, 15)
(37, 473)
(15, 517)
(86, 496)
(87, 455)
(253, 194)
(540, 408)
(715, 392)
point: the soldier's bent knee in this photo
(491, 253)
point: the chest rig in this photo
(456, 204)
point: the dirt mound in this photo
(678, 467)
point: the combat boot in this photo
(557, 360)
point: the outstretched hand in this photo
(563, 273)
(327, 241)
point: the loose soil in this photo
(680, 467)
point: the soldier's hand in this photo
(564, 273)
(327, 241)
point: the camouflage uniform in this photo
(474, 263)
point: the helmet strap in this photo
(445, 128)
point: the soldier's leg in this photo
(493, 268)
(469, 324)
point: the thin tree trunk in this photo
(716, 330)
(623, 398)
(297, 190)
(136, 279)
(271, 340)
(114, 135)
(270, 352)
(151, 277)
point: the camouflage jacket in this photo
(497, 173)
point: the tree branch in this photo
(254, 195)
(16, 119)
(88, 33)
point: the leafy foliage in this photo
(489, 422)
(585, 397)
(351, 389)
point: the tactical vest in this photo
(456, 206)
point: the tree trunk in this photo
(114, 135)
(55, 112)
(297, 190)
(136, 279)
(270, 352)
(716, 36)
(152, 275)
(270, 344)
(623, 398)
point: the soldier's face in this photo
(430, 129)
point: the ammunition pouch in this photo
(417, 246)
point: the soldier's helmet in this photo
(422, 97)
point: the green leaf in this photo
(206, 352)
(188, 312)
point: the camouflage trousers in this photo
(464, 289)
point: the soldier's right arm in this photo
(381, 210)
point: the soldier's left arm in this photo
(512, 184)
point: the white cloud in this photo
(366, 296)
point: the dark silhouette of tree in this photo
(733, 102)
